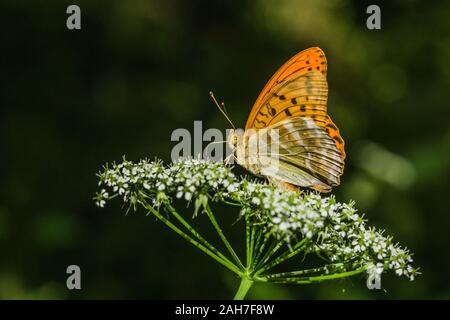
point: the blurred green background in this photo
(73, 100)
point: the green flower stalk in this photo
(279, 224)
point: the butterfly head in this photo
(235, 139)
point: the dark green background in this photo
(73, 100)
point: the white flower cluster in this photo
(337, 232)
(192, 177)
(334, 230)
(288, 214)
(348, 239)
(186, 179)
(126, 179)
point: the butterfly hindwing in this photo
(297, 151)
(287, 175)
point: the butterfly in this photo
(289, 138)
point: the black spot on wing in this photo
(261, 122)
(272, 111)
(337, 139)
(332, 126)
(263, 114)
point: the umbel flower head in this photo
(332, 230)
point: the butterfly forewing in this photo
(312, 59)
(304, 95)
(310, 150)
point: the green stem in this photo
(237, 204)
(295, 273)
(309, 280)
(222, 236)
(260, 249)
(302, 272)
(195, 233)
(252, 246)
(225, 263)
(284, 256)
(244, 286)
(256, 246)
(270, 252)
(247, 240)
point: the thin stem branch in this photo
(285, 256)
(236, 204)
(256, 245)
(222, 236)
(298, 272)
(260, 249)
(202, 247)
(195, 233)
(247, 240)
(272, 250)
(252, 245)
(314, 279)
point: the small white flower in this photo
(100, 203)
(283, 226)
(276, 220)
(256, 201)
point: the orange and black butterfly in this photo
(309, 148)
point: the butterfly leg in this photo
(227, 159)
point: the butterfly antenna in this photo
(222, 104)
(221, 108)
